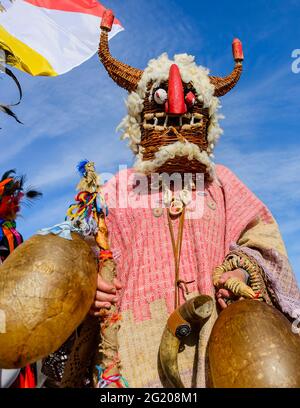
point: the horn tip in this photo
(107, 20)
(237, 50)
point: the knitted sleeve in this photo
(254, 243)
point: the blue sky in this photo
(74, 116)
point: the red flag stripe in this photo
(92, 7)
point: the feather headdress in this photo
(12, 192)
(81, 167)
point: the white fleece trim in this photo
(158, 71)
(179, 149)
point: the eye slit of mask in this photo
(161, 119)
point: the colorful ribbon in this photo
(8, 230)
(104, 381)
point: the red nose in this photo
(175, 104)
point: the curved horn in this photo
(124, 75)
(196, 310)
(224, 85)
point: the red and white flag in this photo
(50, 37)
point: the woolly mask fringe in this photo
(158, 72)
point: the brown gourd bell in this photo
(47, 286)
(252, 346)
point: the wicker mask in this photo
(172, 122)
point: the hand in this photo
(106, 295)
(225, 293)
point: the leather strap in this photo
(177, 251)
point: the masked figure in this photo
(165, 255)
(183, 250)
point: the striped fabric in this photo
(10, 238)
(50, 37)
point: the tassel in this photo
(17, 236)
(10, 238)
(29, 377)
(21, 379)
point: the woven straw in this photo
(224, 85)
(128, 77)
(154, 138)
(124, 75)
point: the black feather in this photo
(11, 74)
(32, 194)
(6, 108)
(9, 112)
(8, 174)
(21, 180)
